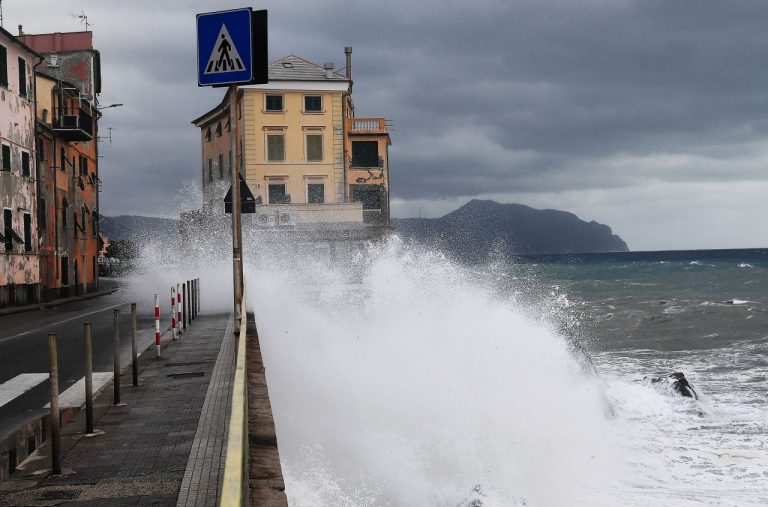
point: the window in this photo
(22, 77)
(277, 194)
(25, 163)
(315, 193)
(369, 195)
(64, 271)
(313, 103)
(221, 166)
(6, 158)
(83, 219)
(273, 103)
(365, 154)
(276, 147)
(64, 211)
(314, 147)
(218, 129)
(41, 214)
(83, 165)
(94, 223)
(208, 134)
(27, 232)
(3, 67)
(63, 157)
(8, 229)
(210, 170)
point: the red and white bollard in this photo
(178, 308)
(173, 313)
(157, 324)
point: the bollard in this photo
(191, 300)
(88, 378)
(116, 379)
(178, 308)
(194, 297)
(184, 308)
(54, 419)
(157, 324)
(134, 352)
(198, 295)
(173, 313)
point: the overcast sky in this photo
(650, 116)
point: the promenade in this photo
(163, 446)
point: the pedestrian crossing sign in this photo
(232, 47)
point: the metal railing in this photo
(234, 491)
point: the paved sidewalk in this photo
(170, 430)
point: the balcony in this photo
(366, 126)
(73, 124)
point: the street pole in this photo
(134, 352)
(237, 250)
(54, 419)
(88, 378)
(116, 357)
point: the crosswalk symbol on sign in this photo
(224, 57)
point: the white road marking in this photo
(19, 385)
(74, 397)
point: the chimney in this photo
(328, 66)
(21, 32)
(348, 54)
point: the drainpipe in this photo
(38, 189)
(344, 113)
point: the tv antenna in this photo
(82, 17)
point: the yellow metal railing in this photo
(235, 488)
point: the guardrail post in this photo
(116, 357)
(134, 352)
(178, 308)
(157, 324)
(88, 378)
(184, 309)
(54, 418)
(173, 313)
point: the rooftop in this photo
(294, 68)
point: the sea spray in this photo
(396, 379)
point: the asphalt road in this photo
(24, 347)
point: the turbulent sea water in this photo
(398, 377)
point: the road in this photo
(24, 347)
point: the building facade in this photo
(19, 260)
(67, 128)
(293, 143)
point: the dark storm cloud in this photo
(486, 97)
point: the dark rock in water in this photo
(678, 383)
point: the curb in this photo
(57, 302)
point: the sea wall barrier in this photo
(252, 473)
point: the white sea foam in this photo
(745, 265)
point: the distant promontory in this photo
(482, 227)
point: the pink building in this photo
(19, 253)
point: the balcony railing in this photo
(366, 125)
(73, 124)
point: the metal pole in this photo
(134, 353)
(192, 298)
(157, 324)
(116, 379)
(199, 292)
(88, 378)
(184, 308)
(54, 419)
(237, 250)
(178, 308)
(173, 313)
(189, 302)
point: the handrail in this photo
(234, 491)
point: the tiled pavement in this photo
(165, 445)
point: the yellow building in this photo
(292, 148)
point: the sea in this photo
(400, 377)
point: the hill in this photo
(480, 227)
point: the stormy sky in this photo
(650, 116)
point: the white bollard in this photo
(157, 324)
(173, 313)
(178, 309)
